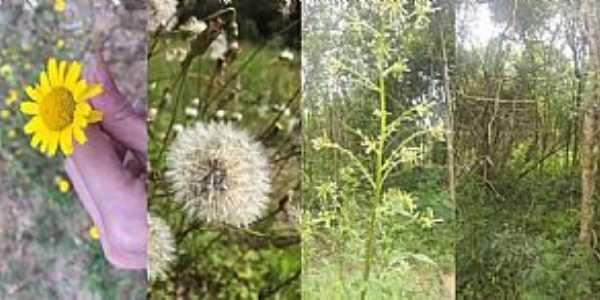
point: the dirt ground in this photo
(24, 261)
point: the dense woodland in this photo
(526, 139)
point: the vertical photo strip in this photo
(527, 102)
(378, 216)
(73, 137)
(224, 151)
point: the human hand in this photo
(108, 173)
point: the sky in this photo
(481, 28)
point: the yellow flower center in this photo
(57, 109)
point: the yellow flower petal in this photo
(53, 142)
(66, 141)
(95, 116)
(62, 69)
(78, 89)
(83, 109)
(36, 140)
(79, 135)
(32, 125)
(53, 71)
(91, 92)
(44, 83)
(80, 121)
(73, 74)
(33, 93)
(30, 108)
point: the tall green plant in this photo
(383, 56)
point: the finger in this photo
(114, 198)
(119, 120)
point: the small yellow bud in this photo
(93, 232)
(63, 185)
(60, 43)
(11, 98)
(59, 5)
(5, 114)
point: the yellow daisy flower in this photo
(59, 5)
(4, 114)
(93, 232)
(60, 108)
(11, 98)
(63, 185)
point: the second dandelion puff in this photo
(219, 173)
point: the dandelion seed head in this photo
(161, 248)
(219, 173)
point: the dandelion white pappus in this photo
(219, 173)
(161, 247)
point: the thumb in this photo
(120, 121)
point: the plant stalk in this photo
(378, 197)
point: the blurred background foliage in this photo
(251, 79)
(45, 242)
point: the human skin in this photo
(109, 175)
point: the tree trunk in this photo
(587, 174)
(449, 121)
(588, 142)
